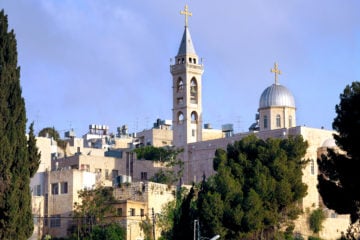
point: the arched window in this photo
(180, 85)
(193, 91)
(278, 121)
(290, 121)
(180, 117)
(265, 122)
(194, 117)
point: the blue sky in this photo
(107, 61)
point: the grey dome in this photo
(276, 96)
(329, 143)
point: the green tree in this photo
(92, 210)
(316, 220)
(112, 231)
(18, 158)
(174, 167)
(170, 215)
(34, 155)
(147, 227)
(183, 221)
(52, 132)
(49, 132)
(256, 189)
(338, 179)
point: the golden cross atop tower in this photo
(277, 72)
(187, 14)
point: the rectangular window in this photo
(143, 175)
(193, 132)
(37, 190)
(132, 211)
(46, 221)
(119, 212)
(115, 173)
(107, 176)
(85, 167)
(142, 212)
(180, 100)
(312, 166)
(55, 188)
(55, 221)
(64, 187)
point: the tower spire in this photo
(187, 14)
(276, 71)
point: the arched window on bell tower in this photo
(194, 117)
(180, 117)
(180, 85)
(193, 91)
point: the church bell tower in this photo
(187, 106)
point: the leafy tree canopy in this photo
(92, 212)
(338, 182)
(256, 188)
(49, 132)
(19, 158)
(161, 154)
(174, 167)
(316, 220)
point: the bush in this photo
(314, 238)
(316, 219)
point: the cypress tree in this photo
(16, 164)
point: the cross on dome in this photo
(276, 71)
(187, 14)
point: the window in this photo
(64, 187)
(46, 220)
(278, 121)
(114, 173)
(142, 212)
(85, 167)
(37, 190)
(265, 122)
(312, 166)
(107, 175)
(290, 121)
(143, 175)
(180, 100)
(180, 85)
(119, 212)
(54, 188)
(55, 221)
(180, 117)
(132, 211)
(193, 132)
(194, 117)
(193, 91)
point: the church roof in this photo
(276, 96)
(186, 45)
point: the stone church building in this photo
(276, 118)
